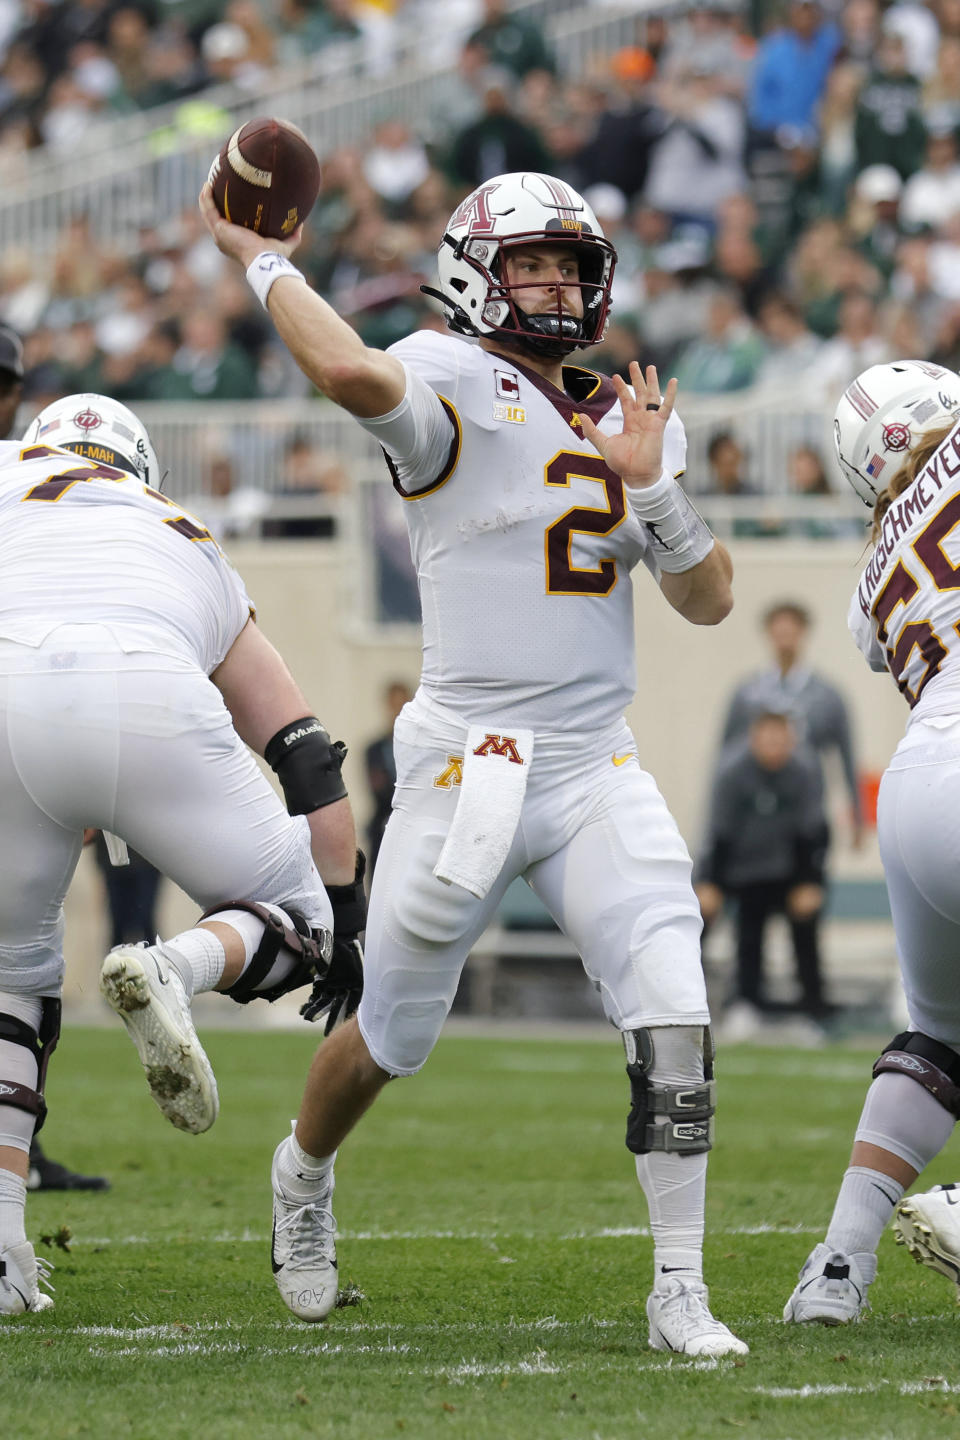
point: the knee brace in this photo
(41, 1043)
(689, 1110)
(309, 949)
(933, 1065)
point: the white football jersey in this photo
(520, 533)
(85, 543)
(906, 609)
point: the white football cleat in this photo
(21, 1274)
(832, 1288)
(147, 993)
(929, 1226)
(303, 1251)
(680, 1320)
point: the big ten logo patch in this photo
(452, 775)
(503, 745)
(507, 386)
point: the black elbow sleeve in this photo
(307, 763)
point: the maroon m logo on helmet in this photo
(474, 212)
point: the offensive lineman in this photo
(513, 758)
(115, 608)
(898, 443)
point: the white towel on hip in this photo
(495, 770)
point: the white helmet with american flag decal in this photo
(525, 208)
(101, 429)
(883, 414)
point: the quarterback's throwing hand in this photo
(235, 240)
(636, 453)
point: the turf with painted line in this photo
(493, 1222)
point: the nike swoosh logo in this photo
(883, 1192)
(164, 979)
(622, 759)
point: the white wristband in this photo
(267, 267)
(648, 499)
(679, 537)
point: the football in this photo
(266, 177)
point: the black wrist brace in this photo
(349, 903)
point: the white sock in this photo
(675, 1187)
(198, 958)
(299, 1175)
(13, 1200)
(863, 1210)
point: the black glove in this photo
(337, 992)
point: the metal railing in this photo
(194, 440)
(142, 170)
(767, 424)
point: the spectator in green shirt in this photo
(511, 41)
(889, 128)
(727, 356)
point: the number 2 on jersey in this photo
(563, 577)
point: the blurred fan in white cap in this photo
(607, 202)
(878, 183)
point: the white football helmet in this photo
(883, 414)
(100, 429)
(525, 208)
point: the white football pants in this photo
(141, 745)
(918, 827)
(595, 842)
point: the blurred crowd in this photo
(782, 183)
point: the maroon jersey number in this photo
(563, 577)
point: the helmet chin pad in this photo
(550, 336)
(545, 337)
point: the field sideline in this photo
(491, 1221)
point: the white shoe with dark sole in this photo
(929, 1226)
(147, 993)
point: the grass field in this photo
(491, 1219)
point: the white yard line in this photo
(935, 1385)
(181, 1348)
(179, 1332)
(487, 1237)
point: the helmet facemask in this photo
(553, 333)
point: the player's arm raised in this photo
(696, 570)
(329, 351)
